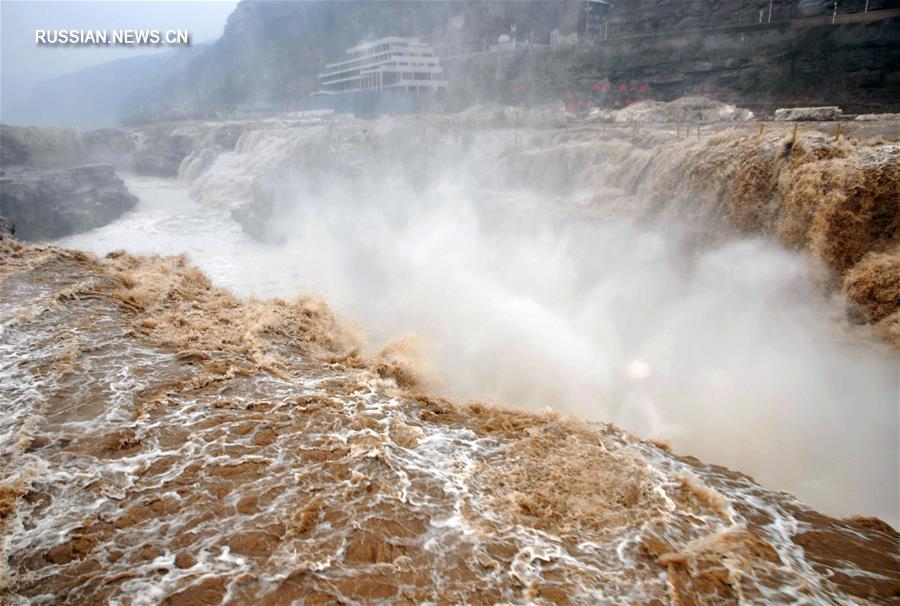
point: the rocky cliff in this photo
(50, 203)
(56, 147)
(852, 65)
(59, 181)
(7, 228)
(643, 17)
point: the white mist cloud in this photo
(730, 350)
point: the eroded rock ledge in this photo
(52, 203)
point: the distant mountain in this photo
(101, 95)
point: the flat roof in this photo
(367, 45)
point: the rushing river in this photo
(726, 349)
(163, 442)
(167, 221)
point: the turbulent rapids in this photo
(165, 441)
(204, 428)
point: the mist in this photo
(726, 349)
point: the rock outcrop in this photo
(51, 203)
(686, 109)
(160, 149)
(808, 114)
(7, 228)
(877, 117)
(54, 147)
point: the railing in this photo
(747, 26)
(326, 80)
(351, 64)
(376, 60)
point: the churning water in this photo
(723, 346)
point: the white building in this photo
(389, 63)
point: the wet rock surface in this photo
(50, 203)
(160, 155)
(7, 228)
(256, 219)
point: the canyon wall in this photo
(853, 65)
(271, 52)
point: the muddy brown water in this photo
(137, 470)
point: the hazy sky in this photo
(24, 64)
